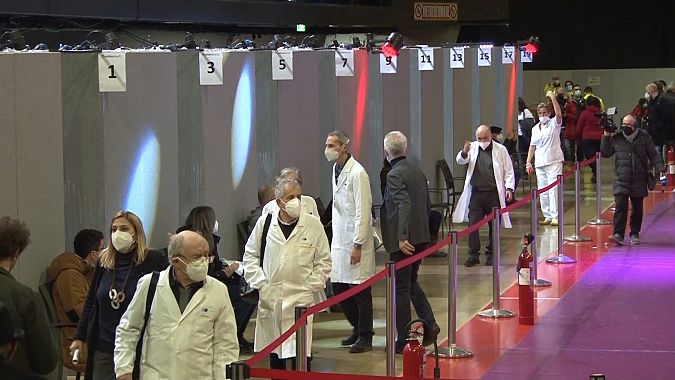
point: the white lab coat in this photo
(293, 269)
(352, 223)
(195, 344)
(307, 205)
(503, 168)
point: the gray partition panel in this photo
(82, 145)
(375, 131)
(396, 102)
(433, 93)
(265, 121)
(448, 106)
(415, 138)
(39, 146)
(230, 171)
(488, 90)
(190, 134)
(141, 141)
(299, 143)
(328, 119)
(466, 101)
(8, 191)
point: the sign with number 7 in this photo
(344, 63)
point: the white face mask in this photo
(331, 154)
(196, 269)
(484, 145)
(122, 241)
(647, 96)
(215, 228)
(292, 207)
(544, 119)
(577, 93)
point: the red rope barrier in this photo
(420, 256)
(549, 187)
(587, 162)
(465, 232)
(301, 375)
(517, 204)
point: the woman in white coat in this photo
(504, 181)
(352, 246)
(296, 263)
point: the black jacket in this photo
(632, 162)
(87, 328)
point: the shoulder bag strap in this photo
(263, 243)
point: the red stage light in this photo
(531, 48)
(389, 51)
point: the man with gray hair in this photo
(352, 248)
(405, 232)
(287, 259)
(191, 331)
(307, 203)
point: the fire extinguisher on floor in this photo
(415, 355)
(525, 283)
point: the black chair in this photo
(448, 194)
(320, 206)
(45, 291)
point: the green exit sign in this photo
(301, 28)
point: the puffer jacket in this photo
(631, 163)
(71, 276)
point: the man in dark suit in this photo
(405, 232)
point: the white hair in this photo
(341, 136)
(395, 143)
(282, 183)
(176, 245)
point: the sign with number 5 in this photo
(282, 65)
(112, 71)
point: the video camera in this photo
(606, 121)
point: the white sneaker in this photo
(554, 222)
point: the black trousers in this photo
(621, 214)
(358, 310)
(590, 148)
(277, 363)
(409, 290)
(480, 205)
(242, 310)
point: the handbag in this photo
(651, 180)
(247, 293)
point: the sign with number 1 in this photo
(282, 65)
(112, 71)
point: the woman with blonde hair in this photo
(117, 272)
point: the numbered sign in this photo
(344, 63)
(457, 58)
(388, 65)
(525, 56)
(112, 71)
(211, 68)
(507, 55)
(484, 58)
(282, 65)
(426, 59)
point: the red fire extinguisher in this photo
(671, 167)
(414, 355)
(525, 283)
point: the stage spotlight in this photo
(356, 43)
(189, 41)
(14, 40)
(41, 46)
(276, 43)
(532, 45)
(112, 42)
(205, 44)
(311, 41)
(247, 44)
(392, 45)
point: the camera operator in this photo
(635, 156)
(588, 128)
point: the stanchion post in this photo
(561, 258)
(452, 351)
(598, 220)
(535, 247)
(238, 371)
(301, 340)
(391, 318)
(577, 236)
(496, 311)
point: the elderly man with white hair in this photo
(191, 331)
(405, 232)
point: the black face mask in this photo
(561, 99)
(628, 130)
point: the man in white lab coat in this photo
(352, 249)
(307, 203)
(191, 331)
(489, 183)
(296, 263)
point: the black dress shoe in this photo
(245, 348)
(349, 341)
(360, 346)
(431, 335)
(488, 261)
(471, 262)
